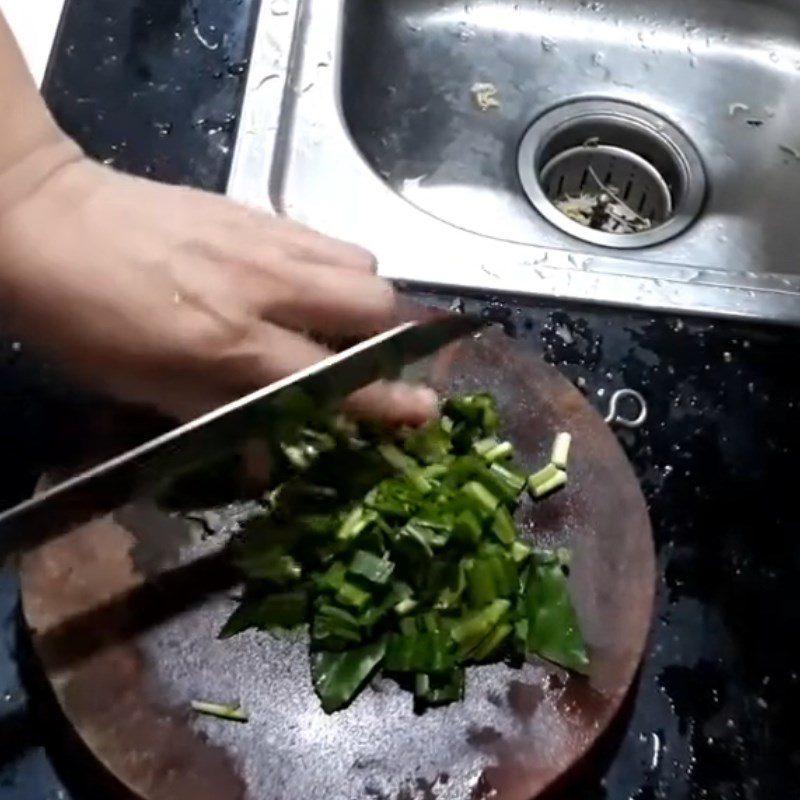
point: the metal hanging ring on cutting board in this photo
(126, 647)
(616, 417)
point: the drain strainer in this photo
(611, 173)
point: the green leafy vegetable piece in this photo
(337, 677)
(405, 464)
(370, 567)
(472, 629)
(355, 522)
(520, 552)
(488, 648)
(271, 564)
(480, 582)
(429, 444)
(406, 606)
(351, 595)
(476, 410)
(420, 652)
(333, 628)
(417, 539)
(333, 579)
(435, 690)
(467, 528)
(480, 499)
(503, 526)
(553, 629)
(284, 610)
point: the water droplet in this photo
(548, 44)
(237, 68)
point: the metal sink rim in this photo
(280, 164)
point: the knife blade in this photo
(132, 474)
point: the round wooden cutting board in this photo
(126, 641)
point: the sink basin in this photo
(726, 73)
(451, 137)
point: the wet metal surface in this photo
(715, 714)
(125, 677)
(360, 117)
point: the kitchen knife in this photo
(147, 467)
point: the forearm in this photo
(31, 144)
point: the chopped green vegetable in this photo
(436, 690)
(285, 610)
(551, 485)
(560, 454)
(404, 463)
(333, 628)
(351, 595)
(430, 444)
(520, 551)
(355, 522)
(406, 606)
(401, 553)
(371, 567)
(467, 528)
(513, 482)
(493, 450)
(482, 501)
(484, 446)
(503, 526)
(553, 630)
(270, 564)
(489, 646)
(337, 677)
(472, 629)
(501, 452)
(431, 652)
(230, 713)
(541, 477)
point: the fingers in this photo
(282, 353)
(313, 247)
(394, 404)
(258, 233)
(332, 302)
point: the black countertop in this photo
(153, 87)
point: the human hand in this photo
(181, 299)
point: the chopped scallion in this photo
(400, 552)
(560, 454)
(230, 713)
(551, 485)
(541, 477)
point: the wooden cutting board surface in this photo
(127, 641)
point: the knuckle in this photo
(364, 260)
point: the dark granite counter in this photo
(153, 86)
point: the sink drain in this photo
(611, 173)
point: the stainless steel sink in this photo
(446, 136)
